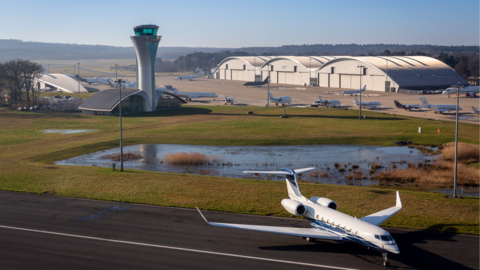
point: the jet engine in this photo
(324, 202)
(294, 207)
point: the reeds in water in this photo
(126, 156)
(192, 158)
(467, 152)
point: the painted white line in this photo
(175, 248)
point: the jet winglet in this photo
(202, 215)
(399, 202)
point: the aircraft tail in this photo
(45, 70)
(424, 102)
(356, 101)
(270, 95)
(320, 99)
(363, 88)
(266, 80)
(475, 110)
(397, 103)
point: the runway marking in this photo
(176, 248)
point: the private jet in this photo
(438, 108)
(326, 103)
(231, 100)
(257, 84)
(326, 222)
(190, 77)
(371, 104)
(469, 91)
(475, 110)
(354, 92)
(188, 95)
(406, 106)
(281, 100)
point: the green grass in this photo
(27, 154)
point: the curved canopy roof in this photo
(62, 82)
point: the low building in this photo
(60, 82)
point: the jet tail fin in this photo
(475, 110)
(320, 99)
(397, 103)
(363, 88)
(266, 80)
(356, 101)
(424, 102)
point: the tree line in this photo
(17, 81)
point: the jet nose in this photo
(392, 249)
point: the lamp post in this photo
(116, 66)
(78, 77)
(119, 83)
(457, 86)
(268, 87)
(360, 90)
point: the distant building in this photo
(379, 73)
(147, 98)
(61, 82)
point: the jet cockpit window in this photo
(377, 237)
(386, 237)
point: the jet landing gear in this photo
(309, 239)
(386, 263)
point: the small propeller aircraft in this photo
(326, 221)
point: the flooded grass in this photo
(126, 156)
(192, 158)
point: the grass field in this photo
(27, 155)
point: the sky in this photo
(245, 23)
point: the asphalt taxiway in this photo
(50, 232)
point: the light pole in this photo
(456, 141)
(360, 90)
(119, 83)
(268, 87)
(78, 77)
(116, 66)
(310, 72)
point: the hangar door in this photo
(334, 81)
(346, 81)
(289, 78)
(228, 74)
(355, 82)
(281, 77)
(324, 80)
(234, 75)
(378, 83)
(240, 75)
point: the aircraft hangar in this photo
(378, 73)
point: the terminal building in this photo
(147, 98)
(60, 82)
(378, 73)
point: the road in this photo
(50, 232)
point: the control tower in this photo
(146, 43)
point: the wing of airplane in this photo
(379, 217)
(303, 232)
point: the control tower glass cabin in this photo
(146, 43)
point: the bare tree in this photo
(11, 74)
(31, 72)
(474, 66)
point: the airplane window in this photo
(323, 219)
(339, 226)
(385, 238)
(318, 217)
(377, 237)
(356, 232)
(333, 224)
(390, 237)
(328, 221)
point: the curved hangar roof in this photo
(62, 82)
(107, 100)
(405, 71)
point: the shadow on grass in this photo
(172, 112)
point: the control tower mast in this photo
(146, 43)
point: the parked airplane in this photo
(326, 103)
(438, 108)
(189, 95)
(281, 100)
(371, 104)
(469, 91)
(351, 92)
(475, 110)
(326, 221)
(257, 84)
(406, 106)
(190, 77)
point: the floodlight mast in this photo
(78, 77)
(360, 89)
(119, 83)
(457, 86)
